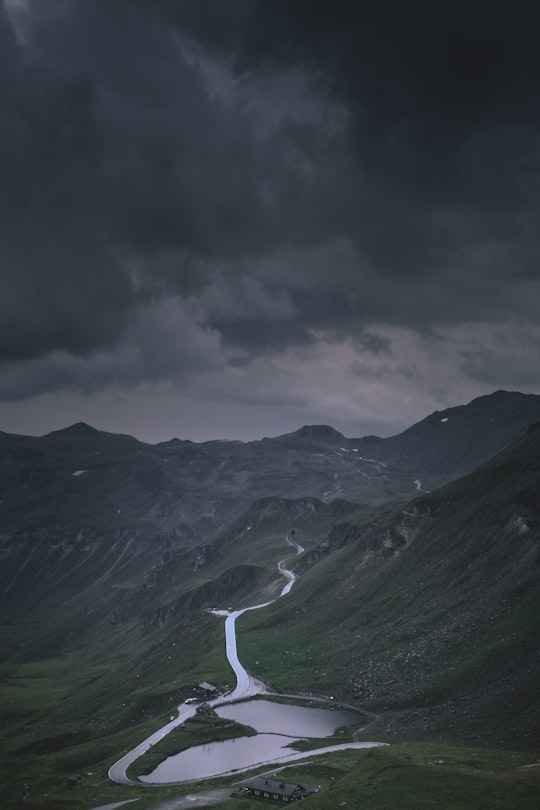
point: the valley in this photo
(246, 687)
(416, 597)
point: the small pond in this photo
(277, 726)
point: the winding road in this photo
(246, 686)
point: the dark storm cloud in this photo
(290, 166)
(60, 285)
(419, 78)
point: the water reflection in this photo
(282, 718)
(203, 761)
(277, 724)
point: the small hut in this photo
(273, 789)
(207, 688)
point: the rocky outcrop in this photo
(391, 537)
(149, 605)
(229, 587)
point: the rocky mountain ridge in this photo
(84, 475)
(82, 510)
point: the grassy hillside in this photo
(86, 675)
(428, 614)
(425, 613)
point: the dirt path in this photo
(204, 799)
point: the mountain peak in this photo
(78, 428)
(314, 433)
(319, 430)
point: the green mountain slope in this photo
(421, 609)
(435, 608)
(81, 509)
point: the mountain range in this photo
(417, 600)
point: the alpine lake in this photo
(278, 726)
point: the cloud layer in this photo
(289, 210)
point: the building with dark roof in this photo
(207, 687)
(263, 788)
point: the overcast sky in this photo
(228, 219)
